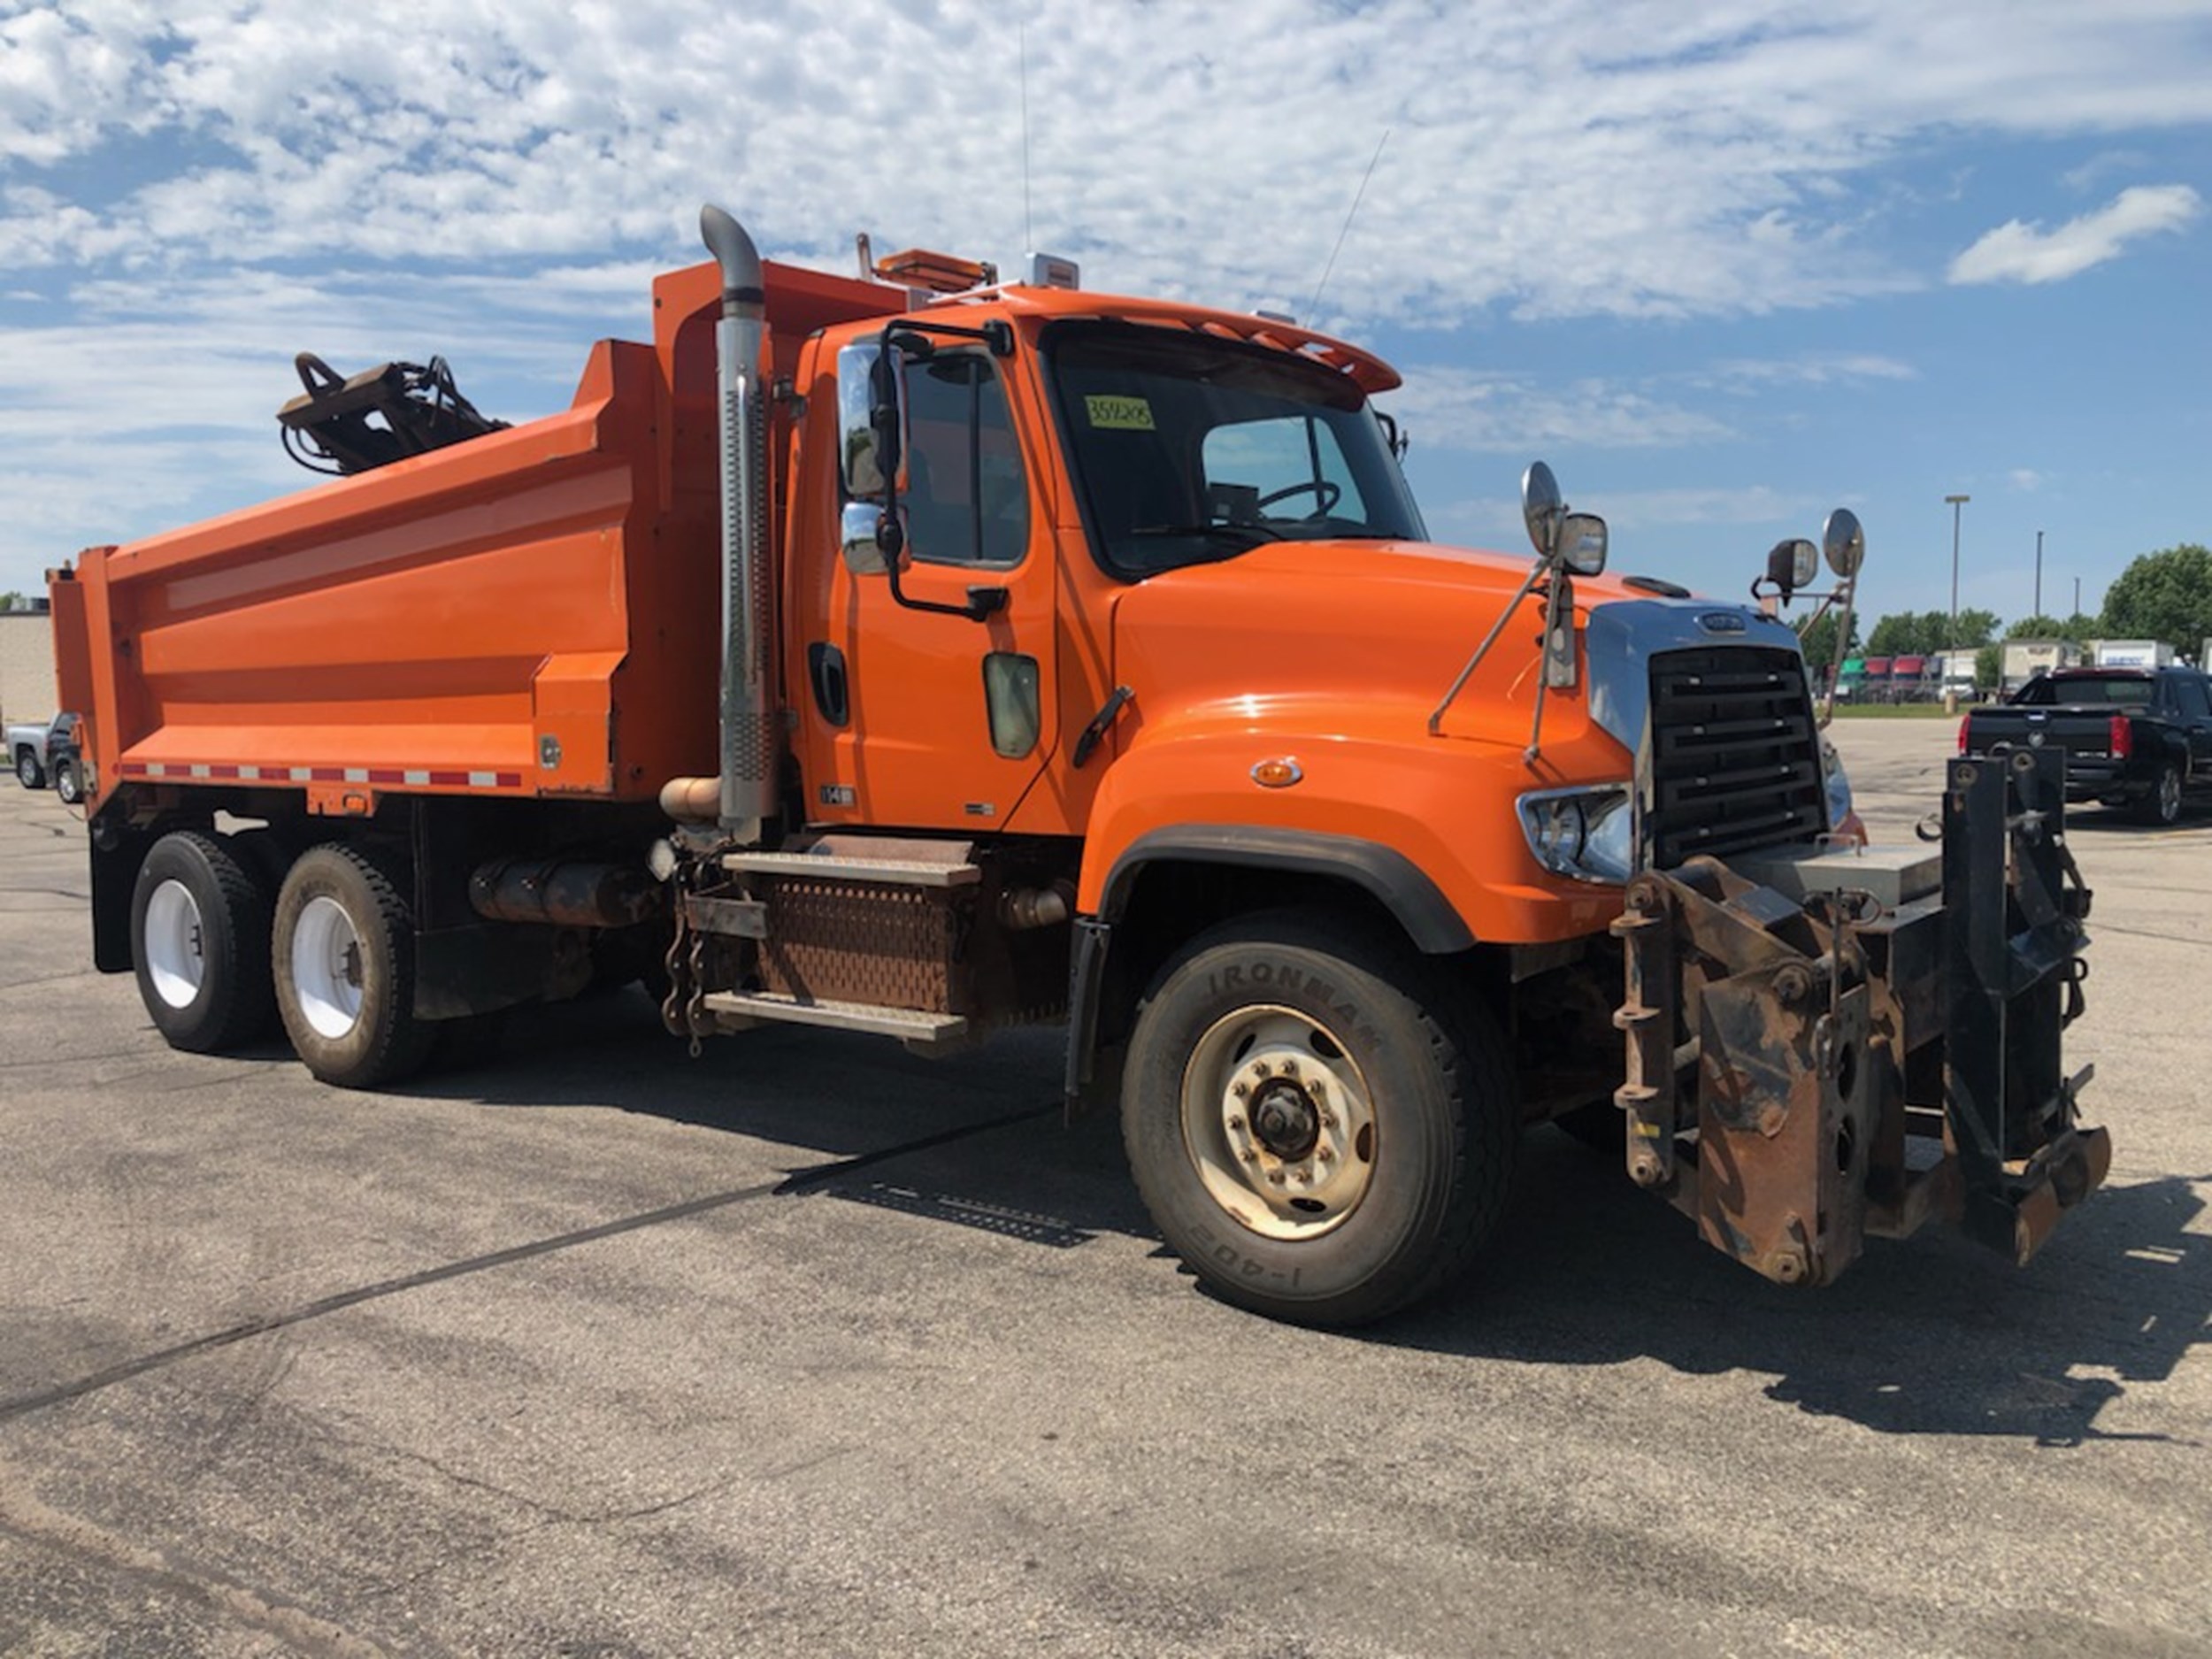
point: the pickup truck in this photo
(49, 749)
(2139, 739)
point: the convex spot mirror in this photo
(1793, 564)
(1541, 507)
(1845, 542)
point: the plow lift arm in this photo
(1803, 1072)
(343, 426)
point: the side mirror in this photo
(872, 423)
(1541, 507)
(1582, 542)
(1845, 542)
(1793, 564)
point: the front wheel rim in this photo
(175, 945)
(327, 968)
(2170, 795)
(1279, 1123)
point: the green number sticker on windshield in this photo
(1119, 414)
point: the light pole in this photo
(1957, 501)
(2039, 572)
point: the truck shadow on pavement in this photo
(1930, 1335)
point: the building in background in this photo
(26, 664)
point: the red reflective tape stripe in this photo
(204, 770)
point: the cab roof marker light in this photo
(1050, 271)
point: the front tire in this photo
(1316, 1132)
(200, 942)
(345, 969)
(68, 781)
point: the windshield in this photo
(2115, 691)
(1188, 449)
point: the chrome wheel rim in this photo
(327, 968)
(2170, 795)
(1279, 1123)
(174, 947)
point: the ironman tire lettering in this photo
(1319, 1130)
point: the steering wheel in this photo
(1325, 492)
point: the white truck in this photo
(48, 750)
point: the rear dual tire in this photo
(200, 940)
(344, 953)
(332, 954)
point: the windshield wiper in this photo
(1244, 534)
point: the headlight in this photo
(1588, 833)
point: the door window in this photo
(966, 500)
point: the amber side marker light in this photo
(1276, 774)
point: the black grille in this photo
(1735, 755)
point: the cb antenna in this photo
(1029, 226)
(1313, 305)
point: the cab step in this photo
(917, 1028)
(914, 861)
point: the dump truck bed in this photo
(532, 613)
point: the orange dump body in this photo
(532, 613)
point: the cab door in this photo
(920, 717)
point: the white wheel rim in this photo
(326, 967)
(1279, 1123)
(176, 964)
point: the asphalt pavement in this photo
(807, 1347)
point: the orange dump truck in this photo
(921, 654)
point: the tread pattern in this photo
(1465, 1052)
(387, 1042)
(238, 999)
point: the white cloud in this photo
(2017, 253)
(2026, 480)
(1467, 410)
(191, 189)
(1747, 376)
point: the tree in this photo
(1895, 636)
(1989, 667)
(1818, 637)
(1975, 628)
(2163, 595)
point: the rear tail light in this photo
(1963, 724)
(2122, 737)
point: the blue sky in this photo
(1725, 265)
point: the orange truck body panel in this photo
(535, 613)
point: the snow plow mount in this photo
(1800, 1075)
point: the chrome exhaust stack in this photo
(747, 794)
